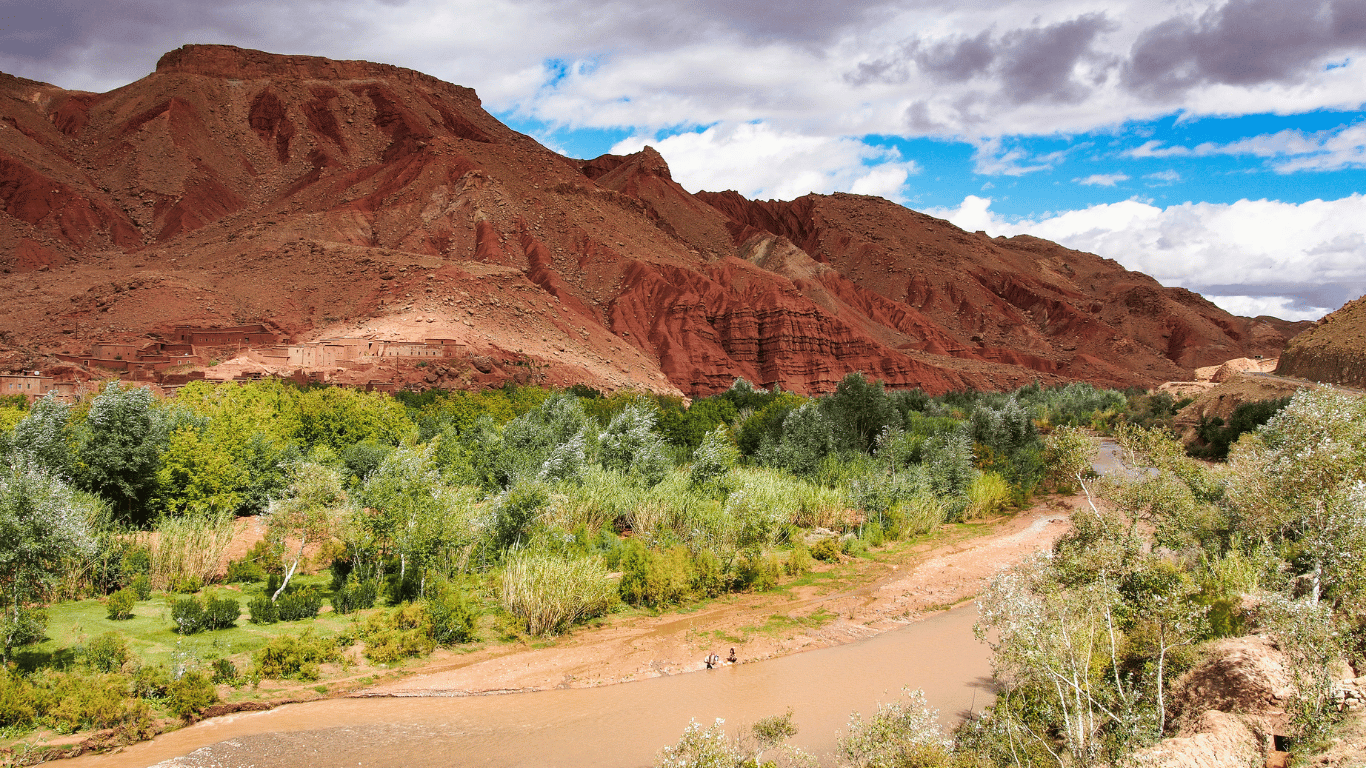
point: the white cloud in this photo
(1288, 151)
(1275, 306)
(1310, 256)
(1163, 178)
(761, 161)
(1102, 179)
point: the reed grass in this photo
(186, 550)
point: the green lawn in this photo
(151, 634)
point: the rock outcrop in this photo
(332, 198)
(1333, 351)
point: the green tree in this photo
(119, 447)
(338, 417)
(411, 512)
(44, 436)
(44, 525)
(858, 410)
(309, 513)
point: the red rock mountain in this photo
(341, 198)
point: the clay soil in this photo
(838, 604)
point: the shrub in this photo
(190, 695)
(221, 612)
(654, 578)
(759, 572)
(450, 619)
(303, 604)
(141, 586)
(69, 701)
(708, 577)
(827, 550)
(17, 706)
(900, 733)
(224, 671)
(290, 656)
(262, 610)
(391, 645)
(245, 571)
(355, 595)
(150, 682)
(188, 615)
(547, 594)
(106, 653)
(120, 604)
(799, 562)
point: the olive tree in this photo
(44, 524)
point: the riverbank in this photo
(860, 598)
(836, 605)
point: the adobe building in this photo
(32, 386)
(255, 335)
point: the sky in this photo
(1219, 146)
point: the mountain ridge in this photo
(232, 186)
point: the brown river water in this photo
(616, 725)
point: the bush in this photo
(141, 586)
(188, 615)
(150, 682)
(120, 604)
(290, 656)
(355, 595)
(799, 562)
(654, 578)
(224, 671)
(190, 695)
(245, 571)
(262, 610)
(708, 577)
(450, 619)
(70, 701)
(759, 572)
(547, 594)
(827, 550)
(386, 646)
(17, 705)
(221, 612)
(106, 653)
(303, 604)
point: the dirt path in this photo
(850, 601)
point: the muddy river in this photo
(616, 725)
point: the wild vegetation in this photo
(1088, 638)
(510, 512)
(522, 511)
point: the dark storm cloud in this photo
(1033, 64)
(1037, 64)
(957, 60)
(82, 42)
(1303, 296)
(1244, 42)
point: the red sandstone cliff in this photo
(341, 198)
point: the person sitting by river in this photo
(712, 661)
(731, 659)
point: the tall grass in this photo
(547, 594)
(988, 495)
(797, 501)
(186, 550)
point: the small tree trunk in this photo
(289, 572)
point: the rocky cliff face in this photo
(1333, 351)
(342, 198)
